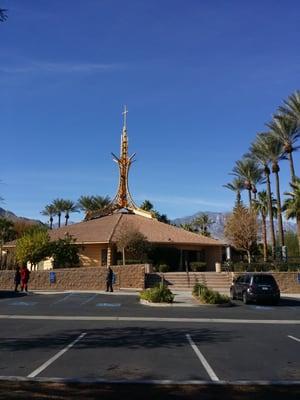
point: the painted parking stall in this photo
(111, 337)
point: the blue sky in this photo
(200, 78)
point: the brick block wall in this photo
(91, 278)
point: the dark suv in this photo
(255, 287)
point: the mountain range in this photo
(219, 218)
(14, 218)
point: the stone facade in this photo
(91, 278)
(287, 281)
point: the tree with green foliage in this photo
(291, 107)
(275, 153)
(58, 205)
(190, 227)
(202, 222)
(250, 173)
(7, 233)
(133, 243)
(237, 186)
(65, 252)
(148, 206)
(3, 14)
(261, 205)
(241, 229)
(90, 204)
(69, 207)
(33, 246)
(49, 211)
(259, 152)
(287, 131)
(291, 206)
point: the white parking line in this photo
(89, 299)
(54, 358)
(294, 338)
(201, 357)
(63, 299)
(151, 319)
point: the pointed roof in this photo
(107, 229)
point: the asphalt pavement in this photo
(111, 338)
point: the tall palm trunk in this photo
(59, 216)
(250, 198)
(264, 235)
(238, 197)
(280, 226)
(272, 232)
(292, 169)
(67, 218)
(298, 232)
(51, 222)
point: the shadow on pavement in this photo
(133, 337)
(8, 294)
(59, 391)
(286, 302)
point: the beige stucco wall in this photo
(90, 255)
(91, 278)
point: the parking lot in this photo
(94, 337)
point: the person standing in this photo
(109, 280)
(24, 278)
(17, 278)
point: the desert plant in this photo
(158, 294)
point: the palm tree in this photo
(69, 207)
(291, 107)
(100, 202)
(203, 222)
(49, 211)
(275, 151)
(188, 227)
(146, 205)
(248, 170)
(259, 152)
(291, 206)
(3, 15)
(261, 205)
(59, 208)
(92, 203)
(85, 203)
(237, 185)
(287, 131)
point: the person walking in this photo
(24, 278)
(109, 280)
(17, 278)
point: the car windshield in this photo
(264, 280)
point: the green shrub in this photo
(198, 266)
(158, 294)
(208, 296)
(163, 268)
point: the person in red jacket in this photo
(24, 278)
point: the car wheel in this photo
(245, 299)
(275, 302)
(232, 294)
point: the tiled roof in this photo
(107, 229)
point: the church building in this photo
(98, 234)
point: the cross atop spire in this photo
(125, 112)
